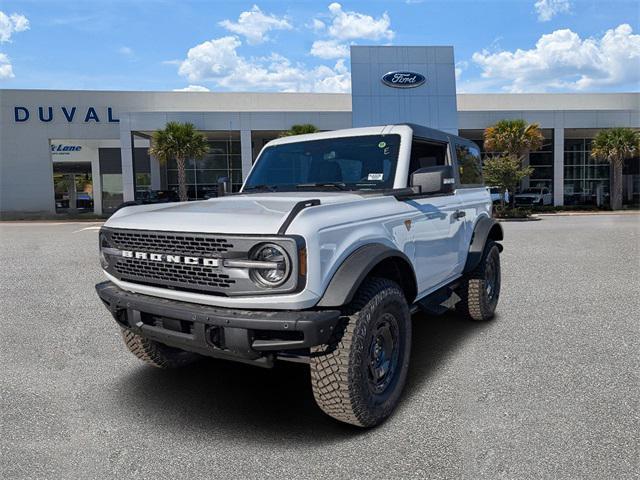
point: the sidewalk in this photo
(569, 213)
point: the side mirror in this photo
(439, 179)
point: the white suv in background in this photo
(538, 196)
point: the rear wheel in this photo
(361, 378)
(157, 354)
(480, 290)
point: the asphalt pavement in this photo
(548, 389)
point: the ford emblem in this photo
(403, 79)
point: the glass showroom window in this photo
(223, 160)
(542, 163)
(586, 180)
(541, 160)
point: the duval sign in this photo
(403, 79)
(66, 113)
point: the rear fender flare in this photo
(485, 229)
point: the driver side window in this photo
(426, 154)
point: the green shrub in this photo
(511, 212)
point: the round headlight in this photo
(276, 274)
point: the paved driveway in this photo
(549, 389)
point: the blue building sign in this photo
(47, 114)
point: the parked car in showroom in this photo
(334, 240)
(497, 196)
(537, 196)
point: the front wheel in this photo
(359, 379)
(480, 289)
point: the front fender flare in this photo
(485, 228)
(354, 269)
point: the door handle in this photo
(459, 214)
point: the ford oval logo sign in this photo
(403, 79)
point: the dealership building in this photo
(88, 150)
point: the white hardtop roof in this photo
(346, 132)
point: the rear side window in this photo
(469, 165)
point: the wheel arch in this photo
(485, 229)
(373, 259)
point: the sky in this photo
(162, 45)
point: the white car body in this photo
(534, 196)
(433, 232)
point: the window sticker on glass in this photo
(382, 144)
(376, 176)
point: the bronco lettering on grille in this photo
(160, 257)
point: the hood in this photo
(242, 214)
(528, 195)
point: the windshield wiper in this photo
(262, 187)
(336, 185)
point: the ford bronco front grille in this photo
(196, 276)
(192, 262)
(170, 243)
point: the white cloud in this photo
(126, 51)
(347, 25)
(547, 9)
(6, 70)
(219, 62)
(328, 49)
(211, 59)
(10, 24)
(192, 88)
(316, 25)
(561, 60)
(254, 25)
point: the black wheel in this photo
(360, 379)
(480, 290)
(157, 354)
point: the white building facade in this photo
(64, 151)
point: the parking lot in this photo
(548, 389)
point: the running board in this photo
(438, 302)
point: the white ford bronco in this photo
(334, 240)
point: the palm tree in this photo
(300, 129)
(513, 137)
(179, 141)
(615, 146)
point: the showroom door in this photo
(73, 187)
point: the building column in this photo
(246, 152)
(154, 165)
(558, 166)
(126, 155)
(96, 181)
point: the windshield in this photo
(348, 163)
(535, 191)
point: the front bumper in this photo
(243, 335)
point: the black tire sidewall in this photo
(376, 407)
(492, 252)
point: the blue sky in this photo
(500, 46)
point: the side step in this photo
(438, 302)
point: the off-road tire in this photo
(341, 376)
(476, 302)
(157, 354)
